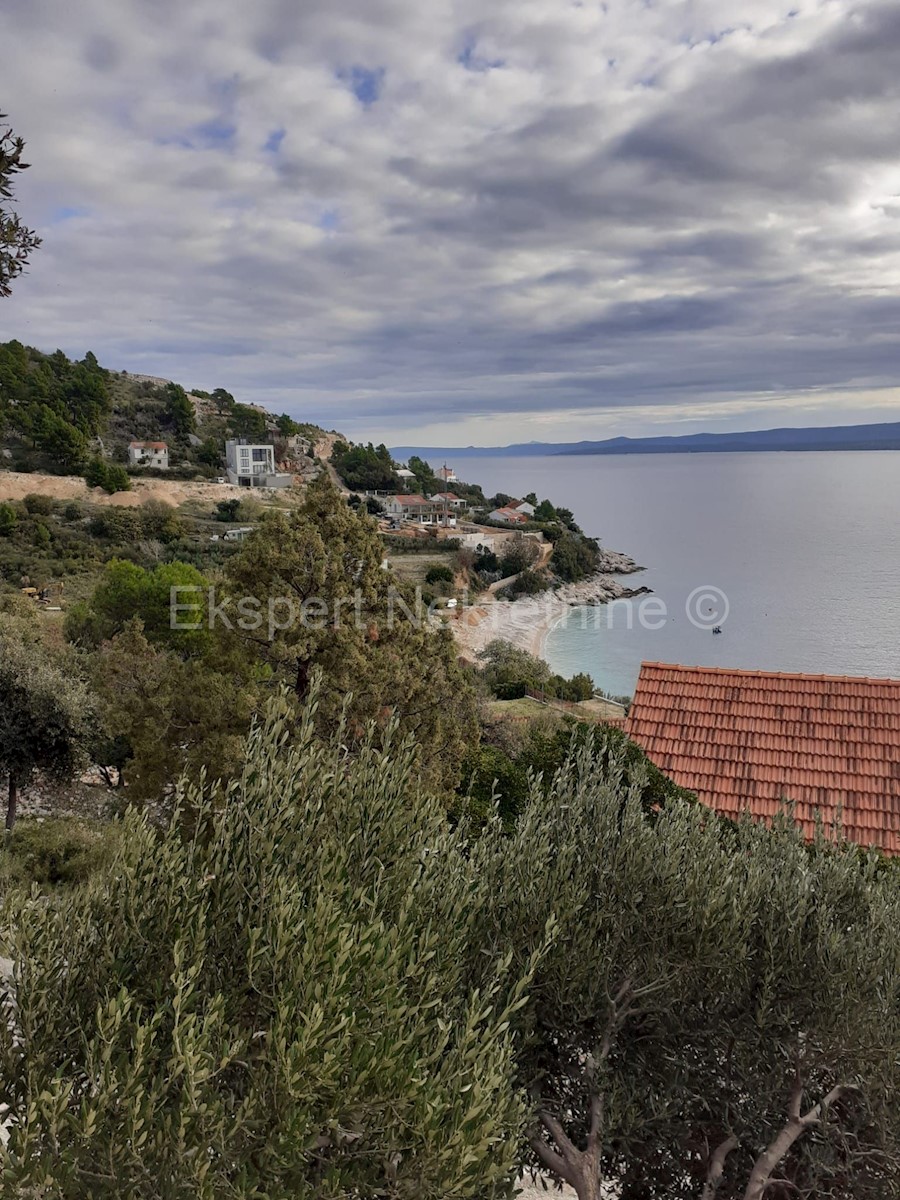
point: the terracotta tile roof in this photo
(147, 446)
(743, 740)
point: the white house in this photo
(253, 465)
(449, 498)
(412, 508)
(405, 474)
(148, 454)
(446, 473)
(522, 506)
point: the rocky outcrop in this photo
(613, 563)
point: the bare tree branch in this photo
(559, 1135)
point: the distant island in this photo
(882, 436)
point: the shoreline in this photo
(528, 622)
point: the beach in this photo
(527, 622)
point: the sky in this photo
(444, 222)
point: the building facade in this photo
(412, 508)
(250, 464)
(148, 454)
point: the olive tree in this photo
(47, 715)
(318, 988)
(719, 1012)
(16, 240)
(282, 1003)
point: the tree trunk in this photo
(587, 1183)
(581, 1169)
(301, 683)
(11, 804)
(794, 1127)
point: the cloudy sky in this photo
(453, 221)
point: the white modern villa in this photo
(252, 464)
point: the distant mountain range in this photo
(883, 436)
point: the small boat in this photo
(717, 629)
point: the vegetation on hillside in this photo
(63, 416)
(48, 718)
(52, 405)
(336, 608)
(365, 468)
(325, 989)
(352, 940)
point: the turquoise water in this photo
(805, 548)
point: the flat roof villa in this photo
(251, 464)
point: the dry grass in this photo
(16, 485)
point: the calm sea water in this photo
(805, 547)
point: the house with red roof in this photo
(148, 454)
(746, 741)
(508, 516)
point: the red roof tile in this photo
(745, 740)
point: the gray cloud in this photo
(443, 221)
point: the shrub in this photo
(117, 480)
(579, 687)
(527, 583)
(95, 473)
(38, 505)
(519, 553)
(439, 574)
(41, 536)
(53, 852)
(227, 510)
(116, 524)
(110, 476)
(8, 519)
(575, 557)
(217, 1019)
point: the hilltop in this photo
(57, 415)
(883, 435)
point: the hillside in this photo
(881, 436)
(56, 415)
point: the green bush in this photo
(95, 473)
(396, 544)
(37, 505)
(60, 851)
(117, 480)
(111, 477)
(529, 583)
(8, 519)
(439, 574)
(579, 687)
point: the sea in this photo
(794, 557)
